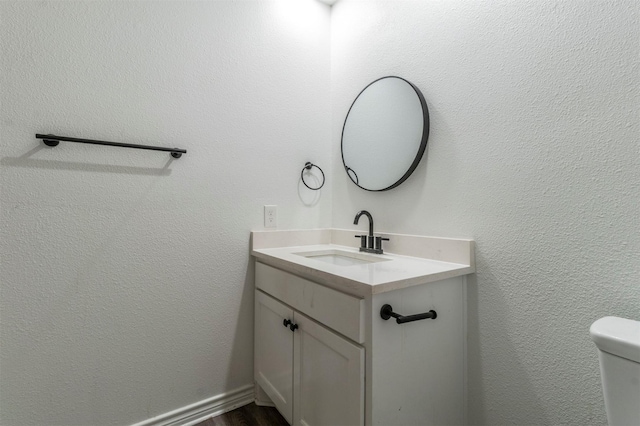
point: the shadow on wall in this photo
(241, 357)
(26, 161)
(517, 391)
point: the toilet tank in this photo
(618, 342)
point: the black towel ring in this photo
(308, 166)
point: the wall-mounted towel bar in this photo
(53, 140)
(387, 312)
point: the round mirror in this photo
(385, 134)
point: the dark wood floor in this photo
(249, 415)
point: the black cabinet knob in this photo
(293, 327)
(286, 322)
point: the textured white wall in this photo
(124, 276)
(534, 153)
(126, 290)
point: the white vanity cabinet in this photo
(339, 361)
(313, 375)
(273, 364)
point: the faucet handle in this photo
(379, 241)
(363, 240)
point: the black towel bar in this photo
(53, 140)
(387, 312)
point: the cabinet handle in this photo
(387, 312)
(293, 326)
(286, 322)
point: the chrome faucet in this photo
(367, 241)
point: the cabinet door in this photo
(328, 377)
(273, 360)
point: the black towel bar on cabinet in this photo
(387, 312)
(53, 140)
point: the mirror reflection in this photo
(385, 134)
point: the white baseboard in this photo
(200, 411)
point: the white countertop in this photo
(399, 271)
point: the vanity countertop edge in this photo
(437, 259)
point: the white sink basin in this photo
(341, 257)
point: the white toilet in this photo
(618, 342)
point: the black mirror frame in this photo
(423, 141)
